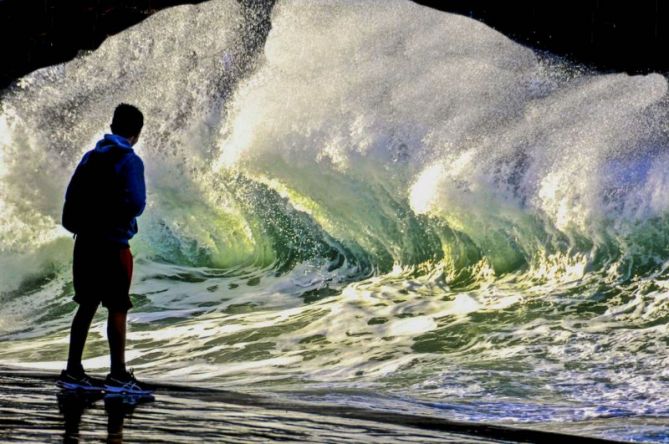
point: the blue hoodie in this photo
(109, 183)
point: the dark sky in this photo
(608, 35)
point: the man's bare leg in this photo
(119, 379)
(78, 334)
(116, 326)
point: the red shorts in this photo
(102, 273)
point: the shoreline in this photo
(181, 413)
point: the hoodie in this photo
(107, 192)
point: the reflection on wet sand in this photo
(73, 405)
(29, 412)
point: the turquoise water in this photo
(385, 200)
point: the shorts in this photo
(102, 272)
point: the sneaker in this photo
(79, 381)
(126, 384)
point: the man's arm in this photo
(134, 189)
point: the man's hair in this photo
(128, 121)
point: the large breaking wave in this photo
(383, 196)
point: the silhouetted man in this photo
(105, 196)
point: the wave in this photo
(394, 136)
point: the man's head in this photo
(127, 122)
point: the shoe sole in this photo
(121, 391)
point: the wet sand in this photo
(32, 409)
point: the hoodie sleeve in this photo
(134, 191)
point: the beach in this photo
(33, 409)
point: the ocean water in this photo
(385, 205)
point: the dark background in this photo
(607, 35)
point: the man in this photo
(105, 196)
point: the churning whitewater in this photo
(384, 204)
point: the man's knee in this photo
(117, 311)
(117, 317)
(87, 310)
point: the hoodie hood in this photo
(111, 141)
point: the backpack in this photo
(93, 199)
